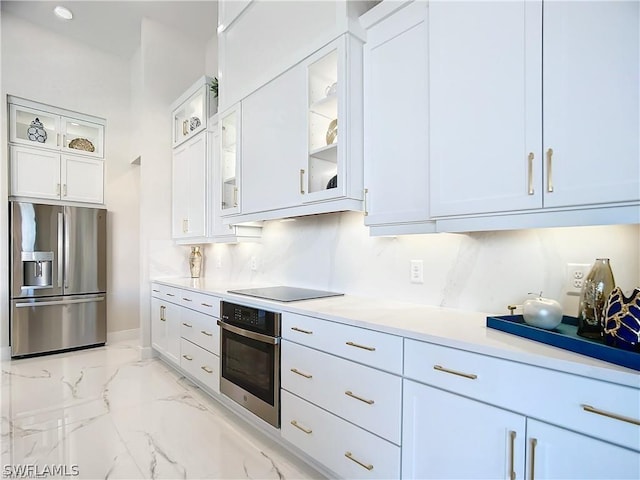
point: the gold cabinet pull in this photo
(366, 194)
(208, 334)
(187, 299)
(302, 181)
(350, 456)
(169, 294)
(187, 324)
(550, 170)
(305, 375)
(363, 347)
(532, 474)
(235, 196)
(615, 416)
(162, 309)
(349, 393)
(308, 431)
(64, 190)
(308, 332)
(57, 189)
(206, 369)
(512, 442)
(187, 357)
(530, 174)
(206, 305)
(185, 127)
(440, 368)
(154, 290)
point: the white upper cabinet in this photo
(190, 189)
(191, 111)
(37, 125)
(534, 112)
(485, 106)
(591, 102)
(273, 143)
(396, 119)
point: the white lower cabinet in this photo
(450, 436)
(340, 446)
(165, 329)
(201, 364)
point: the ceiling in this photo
(114, 26)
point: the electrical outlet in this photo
(254, 264)
(576, 275)
(417, 271)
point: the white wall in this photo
(42, 66)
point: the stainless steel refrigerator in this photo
(58, 277)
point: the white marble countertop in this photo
(461, 329)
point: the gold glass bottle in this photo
(596, 289)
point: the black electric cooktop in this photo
(284, 294)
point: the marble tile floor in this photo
(103, 413)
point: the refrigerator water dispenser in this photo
(37, 269)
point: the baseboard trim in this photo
(122, 335)
(5, 353)
(146, 353)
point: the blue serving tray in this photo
(565, 336)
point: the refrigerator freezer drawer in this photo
(57, 323)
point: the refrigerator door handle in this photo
(60, 242)
(66, 253)
(59, 302)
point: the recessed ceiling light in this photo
(63, 12)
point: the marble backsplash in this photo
(478, 271)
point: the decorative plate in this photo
(82, 144)
(332, 131)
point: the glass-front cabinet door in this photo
(80, 136)
(230, 160)
(190, 117)
(33, 127)
(333, 167)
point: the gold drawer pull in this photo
(187, 357)
(208, 334)
(206, 305)
(187, 299)
(349, 455)
(308, 332)
(615, 416)
(169, 294)
(206, 369)
(187, 325)
(154, 290)
(454, 372)
(305, 375)
(300, 427)
(364, 347)
(351, 394)
(512, 444)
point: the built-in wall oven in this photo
(250, 359)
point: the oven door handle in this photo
(249, 334)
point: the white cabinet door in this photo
(396, 129)
(190, 189)
(172, 315)
(35, 173)
(230, 165)
(592, 101)
(82, 179)
(34, 127)
(82, 137)
(485, 106)
(450, 436)
(274, 143)
(158, 325)
(554, 452)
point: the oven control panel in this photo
(250, 318)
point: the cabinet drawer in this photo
(363, 395)
(169, 294)
(337, 444)
(200, 329)
(202, 365)
(201, 302)
(379, 350)
(556, 397)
